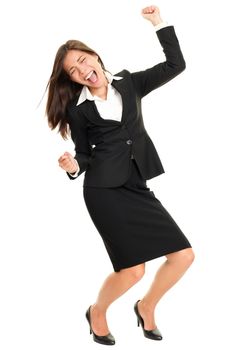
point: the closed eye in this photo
(82, 59)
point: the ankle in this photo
(98, 309)
(145, 306)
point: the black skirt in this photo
(133, 223)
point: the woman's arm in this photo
(75, 166)
(154, 77)
(83, 149)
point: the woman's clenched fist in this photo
(68, 163)
(152, 13)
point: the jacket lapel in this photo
(121, 87)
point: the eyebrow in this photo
(76, 61)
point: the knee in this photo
(189, 257)
(184, 257)
(135, 273)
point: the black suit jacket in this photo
(104, 146)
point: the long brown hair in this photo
(61, 89)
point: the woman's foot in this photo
(107, 339)
(98, 321)
(154, 333)
(147, 314)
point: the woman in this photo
(103, 114)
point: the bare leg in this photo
(116, 284)
(168, 274)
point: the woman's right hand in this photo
(68, 163)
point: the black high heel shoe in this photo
(154, 334)
(105, 339)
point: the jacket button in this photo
(129, 142)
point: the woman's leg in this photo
(168, 274)
(116, 284)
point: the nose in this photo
(81, 69)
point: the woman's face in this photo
(84, 68)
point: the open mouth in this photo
(92, 77)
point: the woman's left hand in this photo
(152, 14)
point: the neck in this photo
(100, 92)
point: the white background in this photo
(52, 259)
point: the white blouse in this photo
(111, 108)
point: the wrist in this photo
(156, 21)
(75, 169)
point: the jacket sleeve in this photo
(154, 77)
(83, 148)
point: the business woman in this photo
(102, 112)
